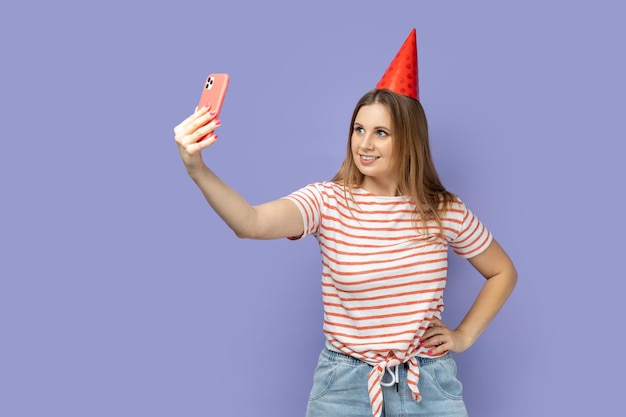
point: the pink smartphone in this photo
(214, 91)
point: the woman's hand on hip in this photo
(439, 338)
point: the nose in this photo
(367, 142)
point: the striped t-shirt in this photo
(383, 274)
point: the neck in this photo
(386, 189)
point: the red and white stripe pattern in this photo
(382, 277)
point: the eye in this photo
(358, 129)
(381, 133)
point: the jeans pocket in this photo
(322, 378)
(448, 384)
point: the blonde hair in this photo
(417, 177)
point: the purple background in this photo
(122, 293)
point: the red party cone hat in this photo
(401, 75)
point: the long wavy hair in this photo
(417, 177)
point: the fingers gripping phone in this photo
(214, 91)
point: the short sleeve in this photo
(309, 201)
(466, 234)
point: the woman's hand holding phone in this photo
(194, 134)
(197, 132)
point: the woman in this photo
(384, 224)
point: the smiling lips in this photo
(368, 159)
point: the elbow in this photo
(511, 277)
(246, 234)
(246, 229)
(506, 278)
(243, 230)
(512, 273)
(242, 235)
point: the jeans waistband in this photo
(339, 357)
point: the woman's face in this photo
(372, 149)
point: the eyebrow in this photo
(375, 127)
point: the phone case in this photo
(214, 91)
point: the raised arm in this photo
(272, 220)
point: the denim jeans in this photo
(340, 389)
